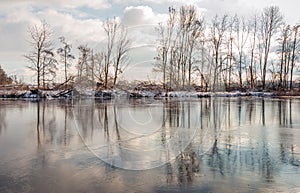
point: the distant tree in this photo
(83, 65)
(40, 42)
(66, 56)
(4, 79)
(17, 80)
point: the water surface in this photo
(147, 145)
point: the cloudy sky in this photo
(81, 23)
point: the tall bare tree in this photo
(295, 52)
(178, 40)
(284, 51)
(271, 19)
(217, 32)
(165, 49)
(116, 52)
(110, 26)
(241, 35)
(83, 66)
(40, 42)
(230, 58)
(195, 33)
(253, 26)
(66, 56)
(121, 53)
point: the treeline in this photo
(103, 67)
(228, 52)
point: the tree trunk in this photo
(240, 71)
(65, 57)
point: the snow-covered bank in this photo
(110, 94)
(107, 94)
(37, 94)
(182, 94)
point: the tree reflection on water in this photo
(240, 135)
(239, 142)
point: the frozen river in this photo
(146, 145)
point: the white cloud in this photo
(95, 4)
(142, 15)
(289, 8)
(63, 24)
(161, 2)
(245, 7)
(141, 22)
(65, 4)
(76, 30)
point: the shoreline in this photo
(135, 94)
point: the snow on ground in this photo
(108, 94)
(182, 94)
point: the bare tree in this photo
(177, 46)
(65, 55)
(92, 67)
(241, 35)
(204, 63)
(40, 42)
(82, 66)
(253, 26)
(121, 55)
(162, 54)
(116, 52)
(99, 66)
(195, 28)
(183, 45)
(230, 58)
(295, 52)
(284, 51)
(217, 32)
(164, 50)
(49, 67)
(190, 28)
(271, 19)
(110, 26)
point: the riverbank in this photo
(110, 94)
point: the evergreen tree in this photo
(4, 79)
